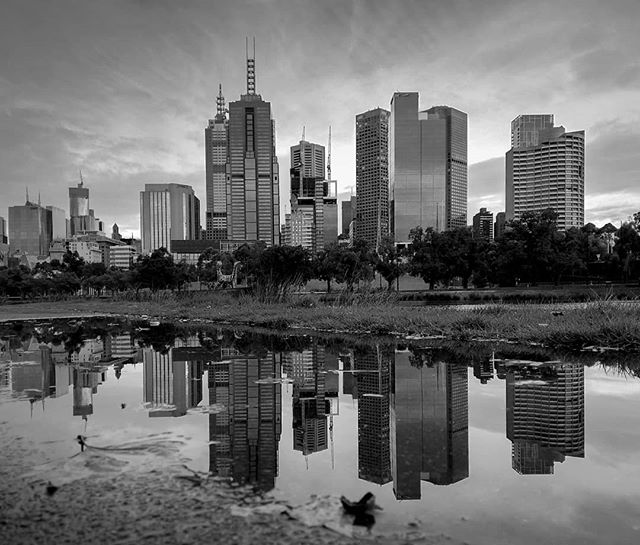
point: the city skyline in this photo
(130, 118)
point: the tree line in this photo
(530, 251)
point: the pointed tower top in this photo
(27, 192)
(251, 68)
(81, 184)
(329, 157)
(220, 103)
(39, 198)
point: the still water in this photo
(485, 444)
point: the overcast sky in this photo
(123, 89)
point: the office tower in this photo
(483, 370)
(373, 386)
(483, 225)
(253, 202)
(545, 169)
(429, 424)
(3, 231)
(348, 214)
(30, 229)
(58, 222)
(545, 415)
(313, 222)
(168, 212)
(215, 144)
(427, 167)
(372, 175)
(82, 217)
(499, 225)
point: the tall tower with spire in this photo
(215, 143)
(252, 178)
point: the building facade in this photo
(168, 212)
(348, 214)
(215, 143)
(372, 175)
(483, 225)
(122, 257)
(253, 200)
(499, 225)
(545, 169)
(427, 167)
(30, 229)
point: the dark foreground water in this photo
(485, 444)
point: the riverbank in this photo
(600, 324)
(163, 506)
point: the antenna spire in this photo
(251, 68)
(329, 157)
(303, 132)
(220, 102)
(27, 192)
(39, 198)
(81, 180)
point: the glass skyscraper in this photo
(545, 169)
(372, 175)
(30, 229)
(427, 167)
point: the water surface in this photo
(486, 444)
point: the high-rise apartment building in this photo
(215, 143)
(30, 229)
(483, 225)
(372, 175)
(253, 201)
(168, 212)
(427, 167)
(545, 169)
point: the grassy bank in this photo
(601, 323)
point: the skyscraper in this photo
(307, 226)
(348, 213)
(545, 169)
(427, 167)
(253, 202)
(215, 143)
(30, 229)
(168, 212)
(372, 175)
(483, 225)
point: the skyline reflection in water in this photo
(300, 416)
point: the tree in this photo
(425, 255)
(156, 271)
(389, 262)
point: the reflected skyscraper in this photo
(245, 429)
(373, 386)
(310, 405)
(427, 167)
(429, 424)
(545, 415)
